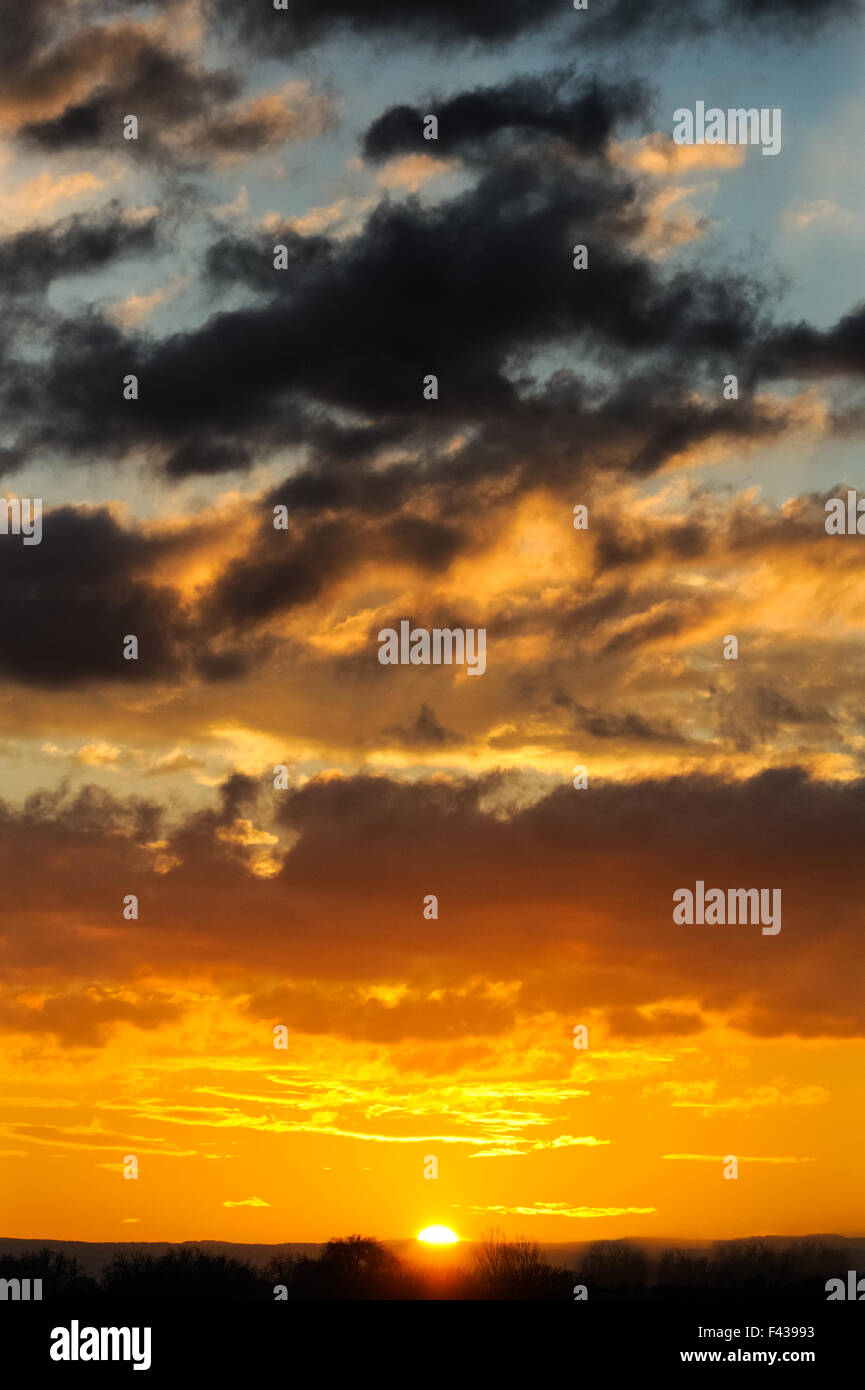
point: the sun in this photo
(438, 1235)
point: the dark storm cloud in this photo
(550, 436)
(230, 260)
(577, 111)
(301, 25)
(70, 601)
(284, 570)
(802, 351)
(30, 260)
(571, 895)
(670, 20)
(280, 573)
(202, 455)
(462, 290)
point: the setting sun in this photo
(438, 1235)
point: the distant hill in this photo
(93, 1256)
(653, 1247)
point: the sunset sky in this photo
(303, 905)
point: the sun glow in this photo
(438, 1235)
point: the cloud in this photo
(425, 732)
(819, 212)
(60, 635)
(626, 955)
(659, 155)
(137, 308)
(563, 1209)
(411, 172)
(581, 114)
(35, 196)
(83, 1018)
(256, 126)
(273, 369)
(70, 86)
(298, 26)
(721, 1158)
(801, 350)
(30, 260)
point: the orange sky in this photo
(302, 904)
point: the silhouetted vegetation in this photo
(360, 1267)
(181, 1273)
(355, 1267)
(614, 1264)
(750, 1269)
(514, 1269)
(60, 1275)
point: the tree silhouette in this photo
(60, 1275)
(181, 1273)
(514, 1269)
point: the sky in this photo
(280, 803)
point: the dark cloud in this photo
(452, 1015)
(184, 113)
(286, 569)
(467, 290)
(669, 21)
(230, 260)
(283, 571)
(187, 114)
(547, 891)
(26, 30)
(71, 600)
(300, 26)
(802, 351)
(128, 70)
(425, 732)
(85, 1018)
(579, 112)
(30, 260)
